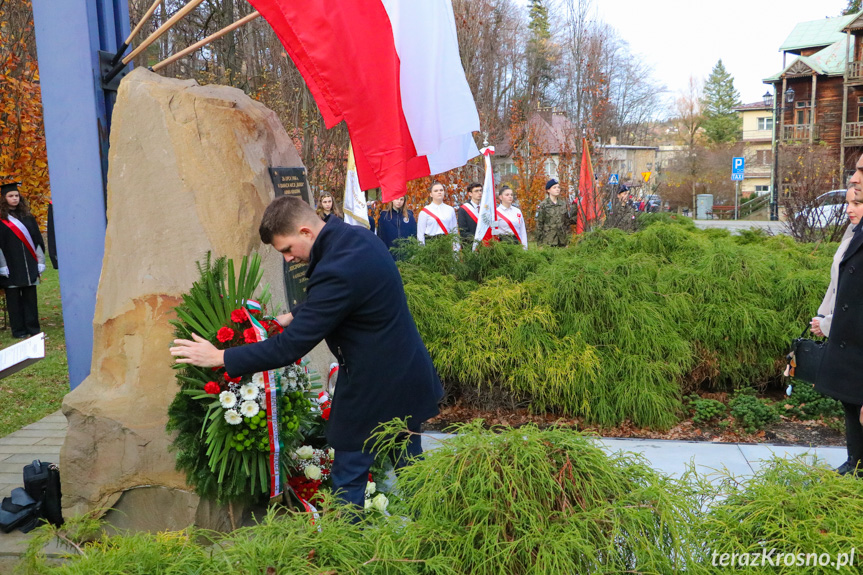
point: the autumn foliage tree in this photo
(23, 155)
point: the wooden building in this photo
(818, 97)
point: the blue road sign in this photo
(737, 166)
(613, 179)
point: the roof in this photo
(828, 62)
(817, 33)
(752, 106)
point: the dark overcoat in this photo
(466, 224)
(841, 372)
(23, 270)
(356, 302)
(391, 227)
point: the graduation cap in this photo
(10, 187)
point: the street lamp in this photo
(777, 112)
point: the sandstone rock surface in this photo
(188, 174)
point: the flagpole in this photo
(144, 19)
(205, 41)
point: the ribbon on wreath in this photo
(271, 392)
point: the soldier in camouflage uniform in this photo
(553, 219)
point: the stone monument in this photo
(188, 173)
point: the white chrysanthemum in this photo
(380, 502)
(305, 452)
(250, 408)
(258, 379)
(227, 399)
(232, 417)
(371, 487)
(312, 472)
(249, 392)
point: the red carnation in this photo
(250, 335)
(225, 334)
(212, 387)
(325, 413)
(274, 328)
(238, 316)
(230, 379)
(299, 361)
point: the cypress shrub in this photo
(617, 326)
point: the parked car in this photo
(828, 209)
(652, 203)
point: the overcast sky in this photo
(683, 38)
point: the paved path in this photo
(43, 439)
(736, 226)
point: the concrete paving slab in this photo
(40, 433)
(674, 457)
(55, 441)
(38, 450)
(22, 459)
(41, 426)
(758, 454)
(20, 440)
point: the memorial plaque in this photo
(292, 182)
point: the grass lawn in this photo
(38, 390)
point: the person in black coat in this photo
(327, 207)
(356, 302)
(396, 222)
(468, 214)
(22, 261)
(841, 373)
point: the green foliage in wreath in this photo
(222, 440)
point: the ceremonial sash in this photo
(511, 226)
(469, 210)
(24, 239)
(271, 392)
(437, 219)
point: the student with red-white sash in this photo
(22, 261)
(510, 219)
(437, 218)
(468, 214)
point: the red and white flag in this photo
(356, 210)
(586, 203)
(391, 70)
(487, 224)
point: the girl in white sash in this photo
(510, 219)
(22, 261)
(437, 218)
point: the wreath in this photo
(236, 436)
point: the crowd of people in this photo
(438, 220)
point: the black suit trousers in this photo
(23, 309)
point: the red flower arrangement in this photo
(230, 379)
(249, 335)
(238, 316)
(212, 387)
(225, 334)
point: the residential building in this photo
(757, 140)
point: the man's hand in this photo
(285, 319)
(815, 326)
(199, 352)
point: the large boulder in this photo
(188, 174)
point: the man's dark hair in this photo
(473, 186)
(283, 217)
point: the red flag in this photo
(586, 191)
(392, 72)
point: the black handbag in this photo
(19, 511)
(804, 360)
(42, 483)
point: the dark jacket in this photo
(841, 373)
(466, 225)
(356, 301)
(391, 227)
(23, 269)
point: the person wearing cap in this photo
(553, 219)
(22, 261)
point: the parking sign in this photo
(737, 166)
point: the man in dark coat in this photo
(356, 302)
(841, 373)
(468, 214)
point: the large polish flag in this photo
(391, 70)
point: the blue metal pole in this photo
(77, 115)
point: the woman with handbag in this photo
(841, 313)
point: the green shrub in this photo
(617, 326)
(806, 403)
(788, 506)
(706, 410)
(752, 413)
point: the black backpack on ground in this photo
(39, 499)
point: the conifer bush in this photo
(617, 326)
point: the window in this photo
(764, 157)
(802, 116)
(762, 189)
(765, 123)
